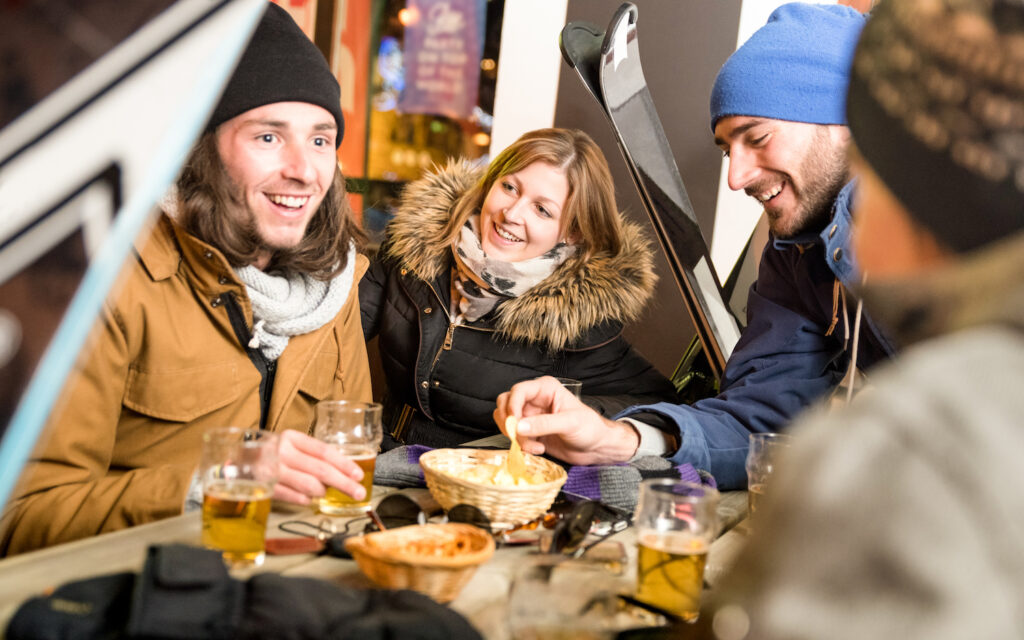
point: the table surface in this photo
(483, 601)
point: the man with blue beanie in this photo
(778, 113)
(900, 516)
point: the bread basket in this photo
(505, 506)
(434, 559)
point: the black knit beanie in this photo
(936, 107)
(280, 64)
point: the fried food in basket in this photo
(429, 542)
(499, 476)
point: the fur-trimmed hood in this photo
(558, 311)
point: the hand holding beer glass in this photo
(355, 429)
(762, 457)
(238, 469)
(676, 523)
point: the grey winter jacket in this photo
(902, 516)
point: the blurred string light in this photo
(408, 16)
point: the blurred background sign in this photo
(444, 43)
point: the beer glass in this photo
(574, 386)
(555, 597)
(238, 470)
(765, 449)
(676, 522)
(355, 429)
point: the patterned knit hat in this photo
(794, 68)
(280, 65)
(936, 107)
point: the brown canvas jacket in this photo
(163, 365)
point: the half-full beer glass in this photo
(676, 522)
(762, 459)
(355, 429)
(238, 469)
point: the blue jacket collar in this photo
(835, 238)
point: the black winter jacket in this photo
(443, 378)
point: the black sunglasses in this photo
(399, 510)
(581, 516)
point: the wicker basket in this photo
(505, 506)
(434, 559)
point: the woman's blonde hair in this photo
(589, 215)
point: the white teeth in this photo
(506, 235)
(292, 202)
(771, 193)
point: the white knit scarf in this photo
(292, 304)
(483, 282)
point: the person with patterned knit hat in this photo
(240, 308)
(489, 277)
(901, 515)
(777, 113)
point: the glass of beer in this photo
(355, 429)
(574, 386)
(238, 469)
(762, 457)
(676, 522)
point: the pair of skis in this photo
(608, 63)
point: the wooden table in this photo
(483, 601)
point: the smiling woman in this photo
(490, 278)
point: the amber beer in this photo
(670, 571)
(239, 468)
(354, 429)
(235, 516)
(338, 503)
(755, 496)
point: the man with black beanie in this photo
(902, 516)
(240, 308)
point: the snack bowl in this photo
(446, 470)
(434, 559)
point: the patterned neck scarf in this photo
(480, 283)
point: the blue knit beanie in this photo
(796, 67)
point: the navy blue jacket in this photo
(783, 361)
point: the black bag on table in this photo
(186, 592)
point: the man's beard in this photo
(244, 214)
(825, 170)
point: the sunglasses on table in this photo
(575, 517)
(394, 511)
(570, 520)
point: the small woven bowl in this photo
(506, 507)
(434, 559)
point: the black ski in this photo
(609, 66)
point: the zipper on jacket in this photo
(267, 368)
(449, 335)
(446, 345)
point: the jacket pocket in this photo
(322, 376)
(182, 395)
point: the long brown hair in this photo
(589, 215)
(211, 208)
